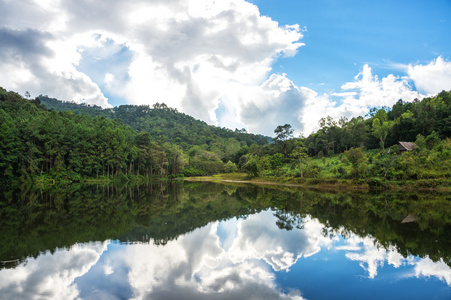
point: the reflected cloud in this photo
(50, 275)
(198, 266)
(373, 256)
(258, 238)
(427, 267)
(234, 259)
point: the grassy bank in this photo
(331, 183)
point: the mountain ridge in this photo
(163, 123)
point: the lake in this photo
(193, 240)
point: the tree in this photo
(357, 132)
(283, 133)
(386, 160)
(300, 152)
(276, 161)
(381, 130)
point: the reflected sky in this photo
(248, 258)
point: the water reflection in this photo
(234, 259)
(372, 257)
(258, 244)
(50, 275)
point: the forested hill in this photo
(38, 143)
(164, 124)
(41, 144)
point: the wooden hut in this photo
(406, 146)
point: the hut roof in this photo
(409, 219)
(406, 146)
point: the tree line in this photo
(48, 138)
(163, 123)
(383, 127)
(363, 147)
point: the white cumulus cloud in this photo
(210, 59)
(433, 77)
(358, 96)
(191, 55)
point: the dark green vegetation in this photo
(364, 150)
(164, 124)
(46, 141)
(129, 142)
(33, 220)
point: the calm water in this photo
(213, 241)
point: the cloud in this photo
(210, 59)
(36, 62)
(372, 91)
(189, 54)
(234, 259)
(372, 257)
(258, 238)
(368, 90)
(276, 101)
(210, 53)
(357, 97)
(433, 77)
(24, 45)
(196, 266)
(28, 14)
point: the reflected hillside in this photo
(34, 221)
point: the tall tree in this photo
(300, 152)
(381, 130)
(283, 133)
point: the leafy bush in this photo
(251, 168)
(357, 158)
(230, 167)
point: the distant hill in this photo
(163, 123)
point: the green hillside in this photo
(47, 140)
(164, 124)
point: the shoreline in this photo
(321, 185)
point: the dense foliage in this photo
(163, 123)
(41, 144)
(48, 139)
(384, 127)
(364, 148)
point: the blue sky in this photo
(342, 36)
(232, 63)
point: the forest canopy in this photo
(51, 139)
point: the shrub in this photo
(251, 168)
(341, 170)
(357, 158)
(374, 182)
(230, 167)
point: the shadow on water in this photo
(34, 220)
